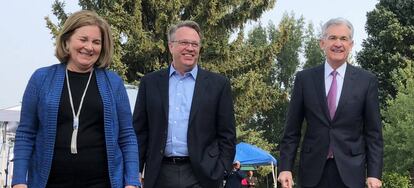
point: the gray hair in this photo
(337, 21)
(187, 23)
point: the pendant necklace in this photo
(73, 148)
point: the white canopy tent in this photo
(10, 114)
(9, 120)
(249, 154)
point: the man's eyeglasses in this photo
(185, 43)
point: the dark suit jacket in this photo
(355, 131)
(234, 178)
(211, 130)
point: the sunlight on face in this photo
(337, 44)
(185, 49)
(84, 48)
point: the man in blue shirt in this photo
(184, 118)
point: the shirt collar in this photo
(341, 70)
(193, 71)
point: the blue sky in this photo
(26, 44)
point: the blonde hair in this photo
(80, 19)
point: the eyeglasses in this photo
(185, 43)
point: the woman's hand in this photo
(128, 186)
(20, 186)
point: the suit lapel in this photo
(199, 92)
(319, 81)
(349, 80)
(163, 89)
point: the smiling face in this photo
(84, 46)
(184, 48)
(337, 44)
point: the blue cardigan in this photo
(35, 136)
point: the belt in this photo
(176, 160)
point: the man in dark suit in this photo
(343, 142)
(184, 119)
(234, 178)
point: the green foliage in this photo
(253, 137)
(388, 52)
(260, 67)
(278, 76)
(395, 180)
(58, 11)
(253, 93)
(141, 27)
(288, 58)
(313, 53)
(140, 31)
(390, 42)
(398, 124)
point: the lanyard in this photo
(73, 144)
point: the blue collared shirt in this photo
(181, 90)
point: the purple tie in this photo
(332, 105)
(332, 95)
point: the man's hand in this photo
(373, 182)
(141, 179)
(285, 178)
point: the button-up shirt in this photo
(339, 79)
(181, 90)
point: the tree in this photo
(387, 51)
(270, 121)
(398, 125)
(290, 34)
(395, 180)
(313, 53)
(390, 28)
(140, 29)
(288, 58)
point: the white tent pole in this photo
(274, 176)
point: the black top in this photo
(89, 167)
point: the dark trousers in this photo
(330, 176)
(176, 175)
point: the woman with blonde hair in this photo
(76, 126)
